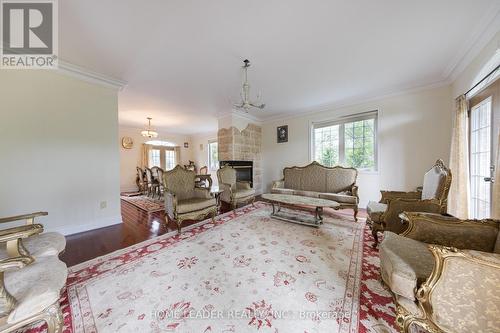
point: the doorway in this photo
(484, 126)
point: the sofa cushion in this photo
(404, 264)
(282, 191)
(42, 245)
(194, 204)
(340, 198)
(375, 210)
(340, 179)
(243, 193)
(310, 194)
(36, 286)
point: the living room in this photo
(321, 166)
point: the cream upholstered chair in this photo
(31, 276)
(234, 191)
(384, 215)
(185, 201)
(444, 273)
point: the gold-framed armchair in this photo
(31, 276)
(462, 293)
(185, 201)
(234, 191)
(444, 273)
(431, 198)
(39, 244)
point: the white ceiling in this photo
(182, 58)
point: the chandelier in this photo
(149, 133)
(245, 103)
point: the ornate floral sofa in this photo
(433, 198)
(318, 181)
(185, 201)
(444, 273)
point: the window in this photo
(154, 158)
(350, 142)
(213, 158)
(169, 159)
(163, 157)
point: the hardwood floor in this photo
(137, 226)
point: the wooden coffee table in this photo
(298, 200)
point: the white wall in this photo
(414, 130)
(58, 150)
(200, 148)
(131, 158)
(200, 152)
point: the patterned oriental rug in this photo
(245, 273)
(145, 203)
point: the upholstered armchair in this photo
(185, 201)
(444, 273)
(31, 275)
(432, 198)
(38, 244)
(234, 191)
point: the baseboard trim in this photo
(74, 229)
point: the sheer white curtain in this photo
(145, 155)
(458, 200)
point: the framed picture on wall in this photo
(282, 133)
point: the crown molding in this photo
(89, 76)
(240, 114)
(488, 27)
(376, 96)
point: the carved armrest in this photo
(202, 192)
(30, 218)
(225, 187)
(243, 185)
(279, 183)
(170, 204)
(437, 229)
(390, 218)
(8, 264)
(354, 190)
(20, 232)
(463, 285)
(392, 195)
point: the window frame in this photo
(162, 149)
(210, 155)
(341, 121)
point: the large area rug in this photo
(145, 203)
(245, 273)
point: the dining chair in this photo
(141, 181)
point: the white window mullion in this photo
(341, 144)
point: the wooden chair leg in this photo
(375, 237)
(356, 214)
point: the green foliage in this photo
(329, 157)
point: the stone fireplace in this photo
(240, 146)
